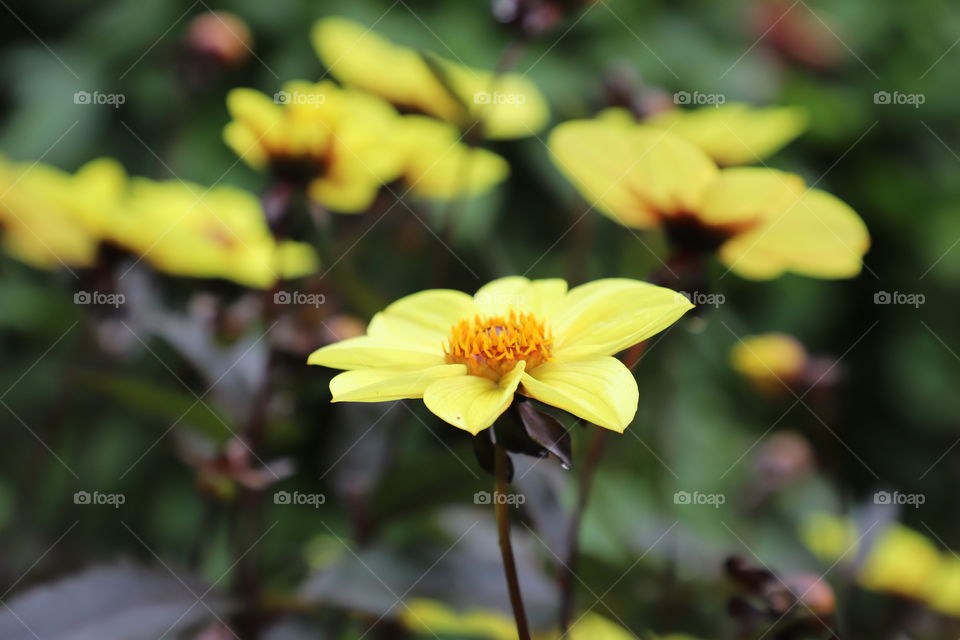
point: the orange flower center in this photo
(492, 346)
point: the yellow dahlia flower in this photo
(51, 218)
(769, 360)
(337, 142)
(761, 222)
(735, 133)
(466, 355)
(509, 106)
(189, 230)
(438, 166)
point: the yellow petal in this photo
(943, 591)
(360, 57)
(439, 166)
(735, 133)
(246, 144)
(432, 617)
(772, 358)
(348, 192)
(381, 385)
(595, 627)
(634, 174)
(817, 236)
(513, 108)
(539, 297)
(472, 403)
(901, 561)
(295, 260)
(365, 352)
(747, 195)
(508, 106)
(609, 315)
(601, 390)
(259, 112)
(424, 318)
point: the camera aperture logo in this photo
(297, 97)
(897, 97)
(99, 299)
(96, 97)
(901, 499)
(485, 497)
(99, 499)
(299, 298)
(697, 98)
(896, 297)
(299, 499)
(698, 498)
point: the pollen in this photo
(492, 346)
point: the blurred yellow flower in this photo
(735, 133)
(51, 218)
(466, 355)
(901, 561)
(509, 106)
(337, 142)
(770, 361)
(943, 589)
(761, 222)
(437, 165)
(189, 230)
(898, 560)
(426, 616)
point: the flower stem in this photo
(501, 509)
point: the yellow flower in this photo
(761, 222)
(188, 230)
(735, 133)
(426, 616)
(509, 106)
(432, 617)
(943, 589)
(466, 355)
(437, 165)
(338, 142)
(899, 560)
(770, 360)
(50, 218)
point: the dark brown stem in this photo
(502, 511)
